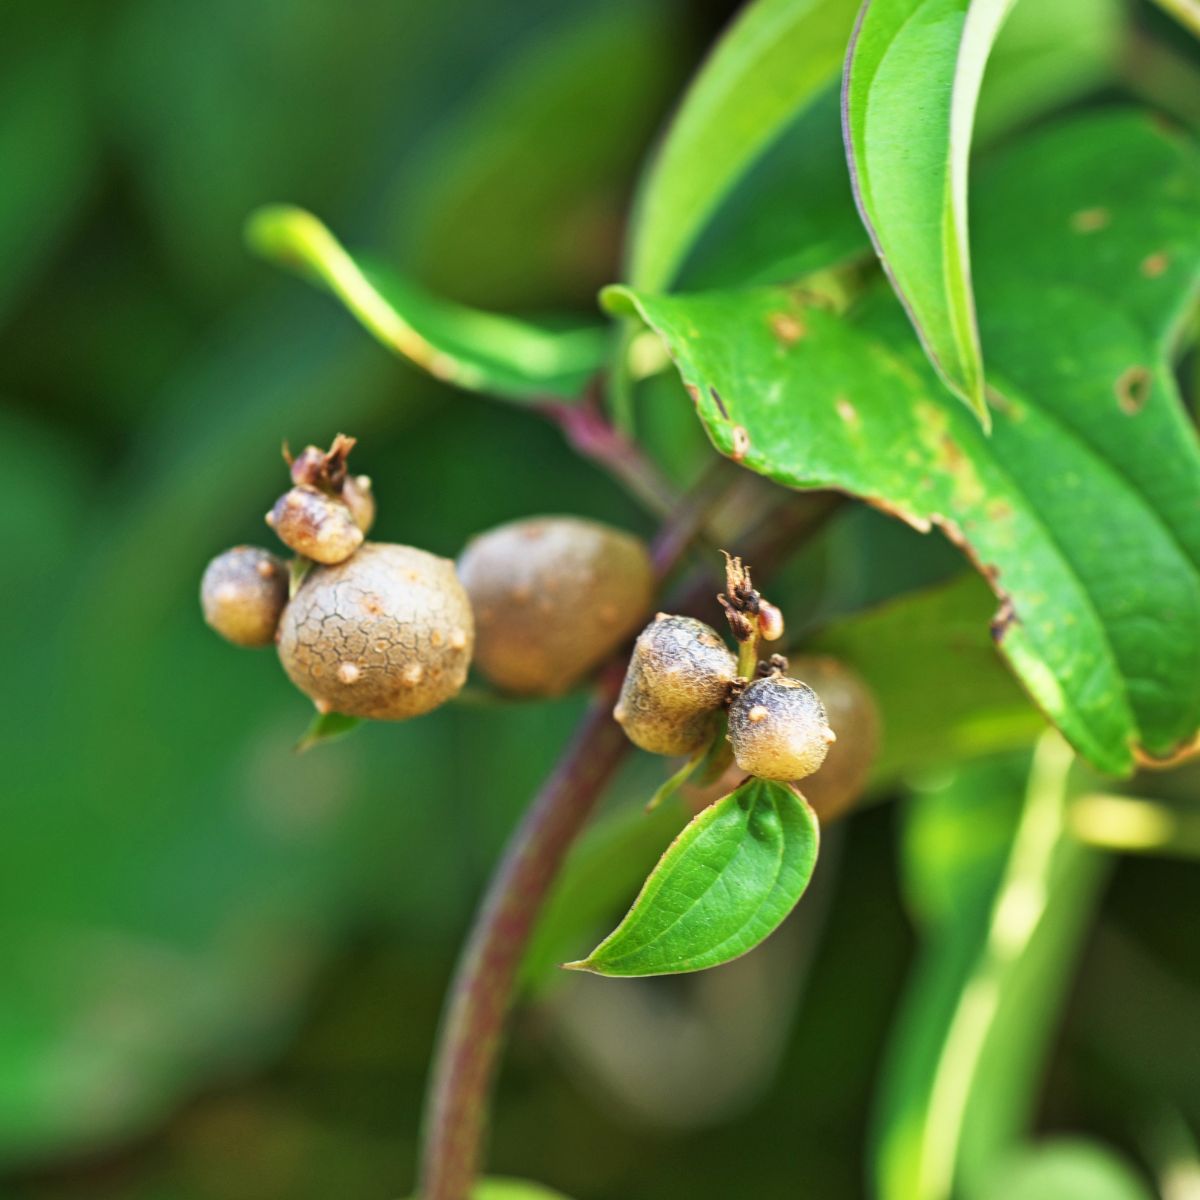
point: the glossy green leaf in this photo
(912, 82)
(724, 884)
(477, 351)
(777, 58)
(326, 727)
(1080, 508)
(1003, 893)
(1065, 1169)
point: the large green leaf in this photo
(1002, 893)
(776, 59)
(913, 76)
(724, 884)
(792, 212)
(1080, 509)
(478, 351)
(966, 705)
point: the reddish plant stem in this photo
(482, 992)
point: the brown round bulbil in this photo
(679, 675)
(854, 716)
(553, 596)
(387, 634)
(243, 593)
(778, 729)
(359, 497)
(315, 524)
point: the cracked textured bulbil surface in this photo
(553, 596)
(242, 594)
(387, 634)
(678, 676)
(778, 729)
(854, 716)
(316, 525)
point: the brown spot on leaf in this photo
(788, 329)
(693, 391)
(1153, 265)
(1133, 389)
(1182, 753)
(1005, 618)
(741, 443)
(846, 411)
(1090, 220)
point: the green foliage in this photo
(967, 704)
(724, 884)
(1088, 439)
(777, 59)
(912, 83)
(1066, 1169)
(187, 900)
(1002, 892)
(478, 351)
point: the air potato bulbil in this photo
(678, 676)
(553, 596)
(854, 716)
(242, 593)
(387, 634)
(778, 729)
(315, 524)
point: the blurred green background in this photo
(222, 963)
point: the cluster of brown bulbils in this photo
(388, 632)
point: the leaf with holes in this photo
(912, 82)
(1081, 508)
(474, 350)
(723, 885)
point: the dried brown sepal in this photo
(322, 469)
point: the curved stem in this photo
(482, 993)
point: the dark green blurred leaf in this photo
(47, 145)
(913, 76)
(478, 351)
(724, 884)
(943, 692)
(502, 203)
(1003, 893)
(775, 60)
(1064, 1170)
(1089, 441)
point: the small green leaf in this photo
(912, 83)
(777, 58)
(327, 727)
(477, 351)
(723, 885)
